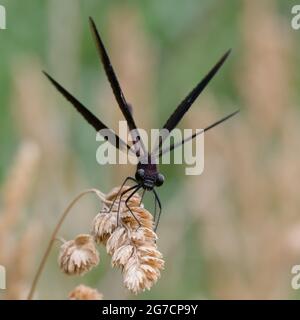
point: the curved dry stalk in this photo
(54, 236)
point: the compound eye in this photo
(139, 175)
(159, 180)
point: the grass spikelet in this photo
(78, 256)
(83, 292)
(132, 246)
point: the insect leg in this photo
(136, 187)
(128, 178)
(155, 201)
(142, 196)
(126, 203)
(159, 206)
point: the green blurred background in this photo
(234, 231)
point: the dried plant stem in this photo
(54, 237)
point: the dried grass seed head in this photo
(132, 245)
(83, 292)
(78, 256)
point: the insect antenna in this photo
(89, 116)
(173, 146)
(184, 106)
(183, 141)
(116, 88)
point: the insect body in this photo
(147, 176)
